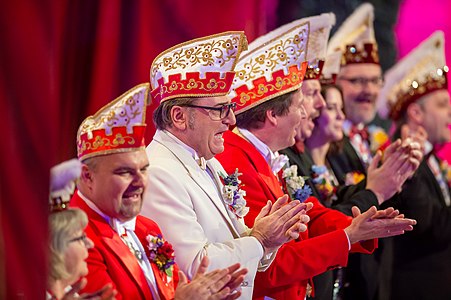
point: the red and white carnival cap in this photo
(202, 67)
(119, 126)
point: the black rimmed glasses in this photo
(362, 81)
(216, 113)
(82, 238)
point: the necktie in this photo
(123, 229)
(434, 165)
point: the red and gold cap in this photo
(119, 126)
(355, 38)
(202, 67)
(331, 68)
(275, 64)
(419, 73)
(320, 27)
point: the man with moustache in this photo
(129, 251)
(360, 77)
(269, 110)
(197, 205)
(416, 94)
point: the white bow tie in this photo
(202, 163)
(278, 162)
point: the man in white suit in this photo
(186, 195)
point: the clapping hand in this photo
(377, 224)
(216, 285)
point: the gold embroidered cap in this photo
(202, 67)
(355, 38)
(274, 65)
(419, 73)
(119, 126)
(62, 184)
(320, 27)
(331, 68)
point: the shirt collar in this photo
(261, 147)
(183, 145)
(116, 224)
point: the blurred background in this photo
(63, 60)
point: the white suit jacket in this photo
(184, 201)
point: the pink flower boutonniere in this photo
(161, 253)
(233, 195)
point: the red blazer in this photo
(110, 260)
(322, 247)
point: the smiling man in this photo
(129, 251)
(113, 178)
(187, 197)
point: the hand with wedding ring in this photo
(215, 285)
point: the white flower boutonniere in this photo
(295, 185)
(233, 195)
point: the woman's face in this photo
(330, 122)
(76, 254)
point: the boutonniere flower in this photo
(446, 171)
(295, 185)
(324, 182)
(161, 253)
(353, 178)
(378, 138)
(233, 195)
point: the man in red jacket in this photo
(269, 111)
(129, 250)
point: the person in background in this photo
(68, 243)
(416, 94)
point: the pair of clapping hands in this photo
(215, 285)
(292, 220)
(399, 162)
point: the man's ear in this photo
(415, 113)
(179, 116)
(271, 117)
(86, 176)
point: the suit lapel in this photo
(261, 165)
(116, 247)
(199, 176)
(165, 284)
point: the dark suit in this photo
(422, 257)
(347, 196)
(365, 277)
(344, 161)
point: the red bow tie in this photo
(362, 131)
